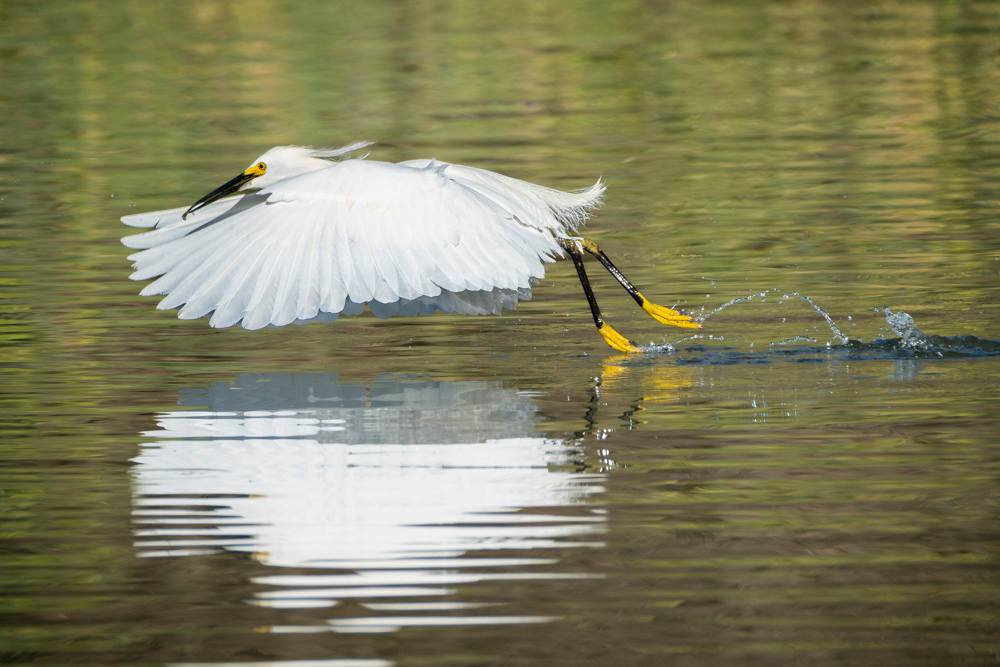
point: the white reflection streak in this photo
(396, 484)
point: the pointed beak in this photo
(227, 188)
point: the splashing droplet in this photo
(902, 324)
(838, 334)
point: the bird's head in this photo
(275, 165)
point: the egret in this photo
(309, 233)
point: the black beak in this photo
(229, 187)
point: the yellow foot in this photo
(669, 316)
(615, 340)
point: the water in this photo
(812, 478)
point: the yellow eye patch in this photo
(258, 169)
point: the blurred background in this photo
(763, 493)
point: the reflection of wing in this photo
(320, 407)
(307, 503)
(316, 473)
(356, 232)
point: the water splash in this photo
(762, 296)
(914, 343)
(659, 348)
(906, 340)
(755, 296)
(834, 329)
(910, 337)
(793, 340)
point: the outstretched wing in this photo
(402, 239)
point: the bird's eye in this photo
(262, 167)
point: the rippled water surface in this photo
(814, 478)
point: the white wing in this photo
(403, 239)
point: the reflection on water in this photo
(394, 490)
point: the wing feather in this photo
(179, 275)
(171, 250)
(214, 290)
(381, 247)
(327, 280)
(233, 303)
(310, 284)
(414, 280)
(260, 304)
(289, 271)
(401, 238)
(341, 268)
(365, 286)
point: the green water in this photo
(468, 491)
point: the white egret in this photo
(305, 233)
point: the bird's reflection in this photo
(395, 489)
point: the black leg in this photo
(661, 314)
(611, 336)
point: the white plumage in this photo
(319, 236)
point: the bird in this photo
(310, 234)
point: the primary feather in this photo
(321, 236)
